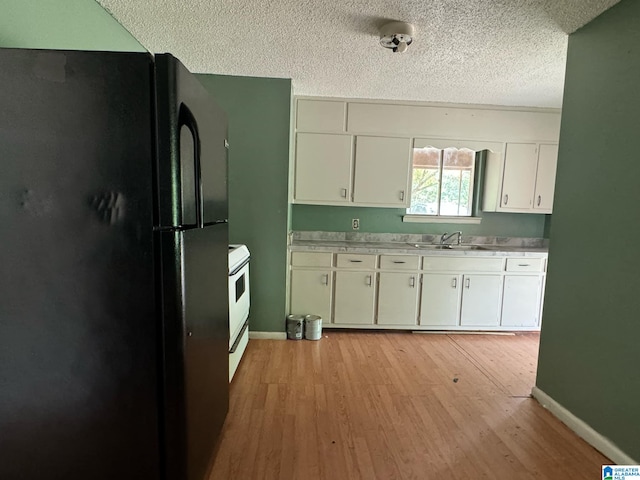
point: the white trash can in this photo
(313, 327)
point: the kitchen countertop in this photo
(489, 250)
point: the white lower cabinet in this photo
(355, 298)
(521, 300)
(481, 300)
(398, 298)
(430, 292)
(440, 299)
(311, 293)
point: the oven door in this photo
(238, 300)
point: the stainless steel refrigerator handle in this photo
(186, 118)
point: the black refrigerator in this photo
(113, 267)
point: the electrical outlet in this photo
(355, 223)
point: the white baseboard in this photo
(267, 335)
(583, 430)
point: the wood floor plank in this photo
(387, 405)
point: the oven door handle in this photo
(234, 347)
(239, 267)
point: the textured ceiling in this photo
(500, 52)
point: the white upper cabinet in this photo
(357, 152)
(546, 178)
(321, 116)
(518, 181)
(323, 168)
(524, 181)
(382, 171)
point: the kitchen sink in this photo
(429, 246)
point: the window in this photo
(442, 181)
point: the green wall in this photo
(62, 24)
(259, 112)
(589, 352)
(389, 220)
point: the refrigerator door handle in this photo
(186, 118)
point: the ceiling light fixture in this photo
(396, 36)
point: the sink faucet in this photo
(446, 237)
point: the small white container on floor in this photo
(313, 327)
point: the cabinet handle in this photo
(355, 261)
(343, 192)
(399, 261)
(454, 283)
(412, 282)
(539, 199)
(368, 280)
(402, 195)
(524, 264)
(468, 282)
(506, 198)
(325, 279)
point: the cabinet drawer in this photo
(355, 260)
(525, 264)
(399, 262)
(458, 264)
(311, 259)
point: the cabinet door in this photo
(397, 299)
(382, 170)
(354, 298)
(323, 168)
(440, 296)
(481, 300)
(519, 177)
(521, 300)
(320, 115)
(546, 178)
(311, 293)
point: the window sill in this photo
(435, 219)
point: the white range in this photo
(239, 303)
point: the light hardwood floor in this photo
(378, 405)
